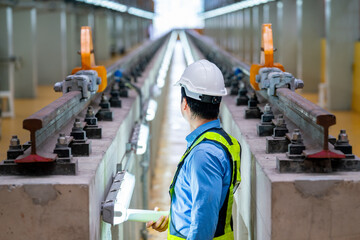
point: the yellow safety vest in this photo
(232, 148)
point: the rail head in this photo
(312, 111)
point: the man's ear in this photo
(185, 104)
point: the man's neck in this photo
(195, 123)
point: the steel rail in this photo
(57, 114)
(303, 113)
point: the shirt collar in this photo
(200, 130)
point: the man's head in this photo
(202, 86)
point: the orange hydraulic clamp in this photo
(88, 57)
(267, 55)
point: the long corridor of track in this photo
(172, 145)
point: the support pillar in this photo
(7, 64)
(147, 30)
(138, 30)
(257, 21)
(288, 35)
(241, 35)
(119, 34)
(248, 36)
(85, 19)
(342, 31)
(26, 74)
(6, 49)
(133, 31)
(310, 15)
(217, 30)
(127, 32)
(270, 12)
(113, 39)
(102, 35)
(141, 35)
(51, 44)
(207, 27)
(223, 26)
(213, 27)
(233, 33)
(230, 32)
(73, 46)
(236, 33)
(136, 27)
(227, 36)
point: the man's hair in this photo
(201, 109)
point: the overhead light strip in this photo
(233, 8)
(161, 78)
(186, 47)
(120, 8)
(141, 13)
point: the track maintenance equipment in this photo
(88, 57)
(266, 57)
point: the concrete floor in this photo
(172, 144)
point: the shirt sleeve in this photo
(206, 180)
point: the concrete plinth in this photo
(311, 29)
(275, 206)
(342, 29)
(69, 207)
(51, 46)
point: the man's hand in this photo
(161, 224)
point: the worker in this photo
(209, 172)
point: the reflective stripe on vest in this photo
(233, 150)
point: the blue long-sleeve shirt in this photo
(201, 187)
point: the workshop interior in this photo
(91, 131)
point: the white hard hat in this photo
(202, 81)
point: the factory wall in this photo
(300, 30)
